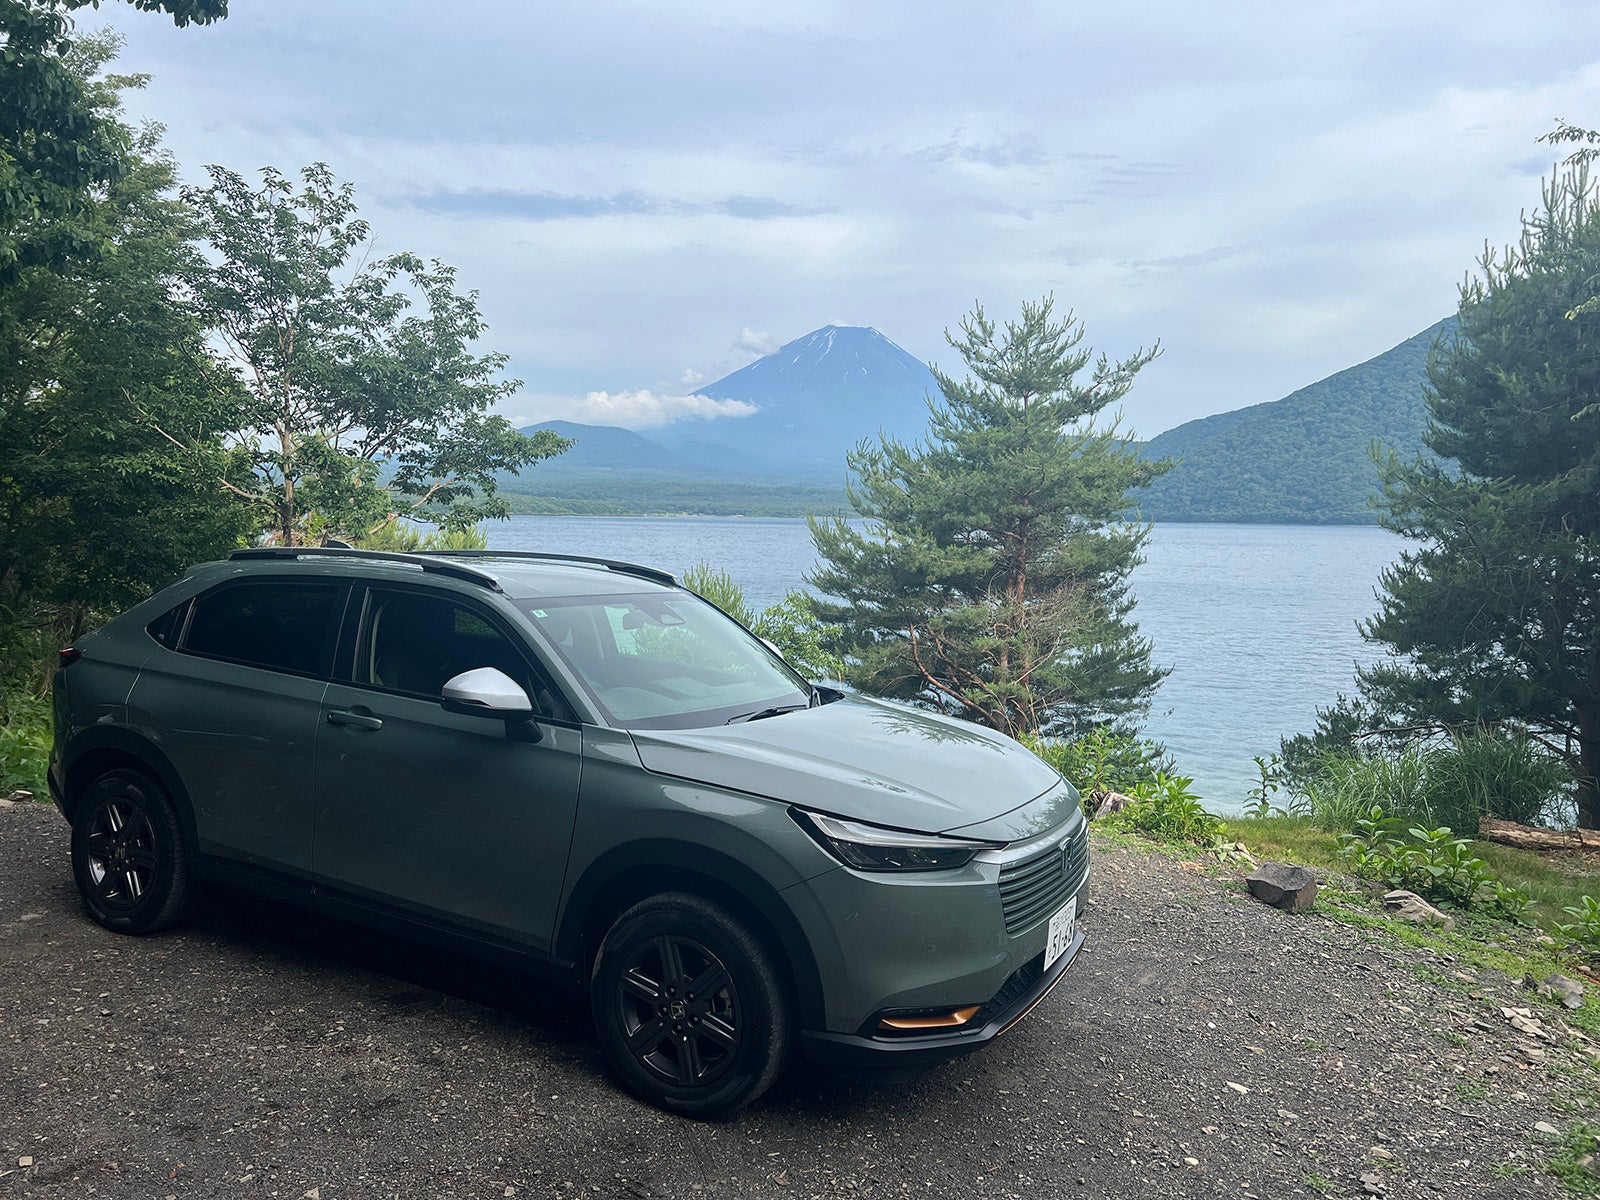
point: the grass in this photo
(1572, 1160)
(1553, 882)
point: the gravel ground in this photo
(1203, 1045)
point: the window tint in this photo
(284, 626)
(166, 628)
(414, 643)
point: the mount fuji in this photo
(815, 398)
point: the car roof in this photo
(516, 575)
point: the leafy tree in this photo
(57, 141)
(991, 577)
(1494, 619)
(362, 386)
(97, 505)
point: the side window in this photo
(414, 643)
(166, 628)
(283, 625)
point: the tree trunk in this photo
(1588, 794)
(1525, 837)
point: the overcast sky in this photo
(649, 195)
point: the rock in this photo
(1372, 1183)
(1409, 906)
(1108, 802)
(1381, 1152)
(1546, 1127)
(1558, 987)
(1283, 885)
(1239, 1087)
(1233, 852)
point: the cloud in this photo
(562, 206)
(691, 377)
(752, 343)
(638, 409)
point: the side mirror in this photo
(485, 692)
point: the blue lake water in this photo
(1257, 622)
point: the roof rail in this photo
(433, 565)
(611, 564)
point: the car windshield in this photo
(666, 661)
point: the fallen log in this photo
(1526, 837)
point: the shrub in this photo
(1104, 760)
(24, 740)
(1165, 809)
(1585, 929)
(1431, 862)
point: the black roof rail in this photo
(611, 564)
(454, 570)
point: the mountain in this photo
(815, 398)
(1301, 459)
(606, 449)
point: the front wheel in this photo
(127, 854)
(689, 1009)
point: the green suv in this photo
(577, 767)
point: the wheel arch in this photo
(98, 750)
(628, 874)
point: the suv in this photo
(578, 767)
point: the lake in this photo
(1257, 622)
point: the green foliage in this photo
(361, 389)
(1305, 458)
(1431, 862)
(991, 577)
(716, 585)
(1166, 810)
(1585, 928)
(100, 361)
(1103, 760)
(398, 537)
(1449, 782)
(24, 740)
(60, 142)
(1270, 781)
(1493, 619)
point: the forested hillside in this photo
(1304, 458)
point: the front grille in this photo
(1033, 889)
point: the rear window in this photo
(282, 626)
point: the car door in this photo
(235, 703)
(455, 818)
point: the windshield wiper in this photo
(762, 713)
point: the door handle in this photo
(359, 720)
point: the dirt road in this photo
(1204, 1045)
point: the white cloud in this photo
(691, 377)
(752, 343)
(638, 409)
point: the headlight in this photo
(874, 848)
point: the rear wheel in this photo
(127, 854)
(689, 1008)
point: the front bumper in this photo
(1026, 987)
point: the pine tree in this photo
(990, 578)
(1494, 619)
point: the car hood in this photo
(868, 761)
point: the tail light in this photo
(69, 656)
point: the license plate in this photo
(1061, 929)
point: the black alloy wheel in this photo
(127, 854)
(679, 1011)
(689, 1008)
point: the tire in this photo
(128, 856)
(689, 1010)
